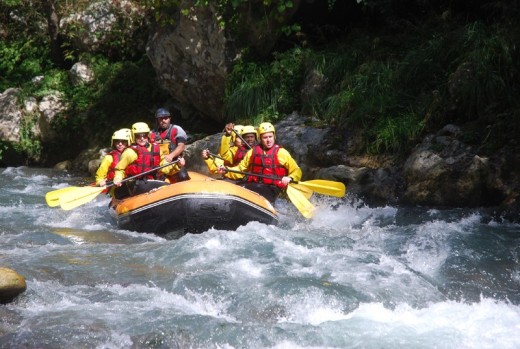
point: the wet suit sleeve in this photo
(243, 166)
(128, 156)
(213, 164)
(180, 139)
(226, 149)
(287, 161)
(102, 171)
(169, 170)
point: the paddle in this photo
(299, 200)
(303, 189)
(53, 197)
(296, 196)
(320, 186)
(81, 195)
(242, 139)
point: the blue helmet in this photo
(162, 112)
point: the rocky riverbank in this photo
(442, 171)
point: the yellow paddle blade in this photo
(299, 200)
(305, 191)
(53, 197)
(78, 197)
(325, 187)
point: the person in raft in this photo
(175, 137)
(269, 160)
(249, 135)
(142, 156)
(232, 147)
(231, 155)
(228, 154)
(121, 139)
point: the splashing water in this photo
(352, 277)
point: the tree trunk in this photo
(53, 27)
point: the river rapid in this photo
(352, 277)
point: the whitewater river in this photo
(353, 277)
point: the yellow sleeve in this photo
(102, 171)
(226, 149)
(169, 170)
(243, 166)
(128, 156)
(287, 161)
(213, 164)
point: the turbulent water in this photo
(352, 277)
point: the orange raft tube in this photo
(192, 206)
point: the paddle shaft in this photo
(243, 140)
(320, 186)
(145, 172)
(82, 195)
(297, 197)
(258, 175)
(215, 156)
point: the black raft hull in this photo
(192, 206)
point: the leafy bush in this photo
(261, 91)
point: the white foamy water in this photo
(352, 277)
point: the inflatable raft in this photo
(192, 206)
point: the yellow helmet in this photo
(265, 127)
(124, 134)
(140, 127)
(238, 129)
(248, 129)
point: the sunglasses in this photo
(141, 135)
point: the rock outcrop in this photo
(11, 285)
(193, 56)
(192, 60)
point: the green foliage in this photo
(266, 89)
(163, 11)
(118, 99)
(489, 70)
(228, 12)
(29, 144)
(395, 133)
(394, 84)
(394, 91)
(20, 60)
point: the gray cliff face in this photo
(194, 56)
(192, 61)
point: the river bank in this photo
(441, 172)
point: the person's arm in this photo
(287, 161)
(243, 166)
(173, 169)
(181, 138)
(102, 171)
(128, 156)
(225, 150)
(213, 164)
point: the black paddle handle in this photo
(258, 175)
(243, 140)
